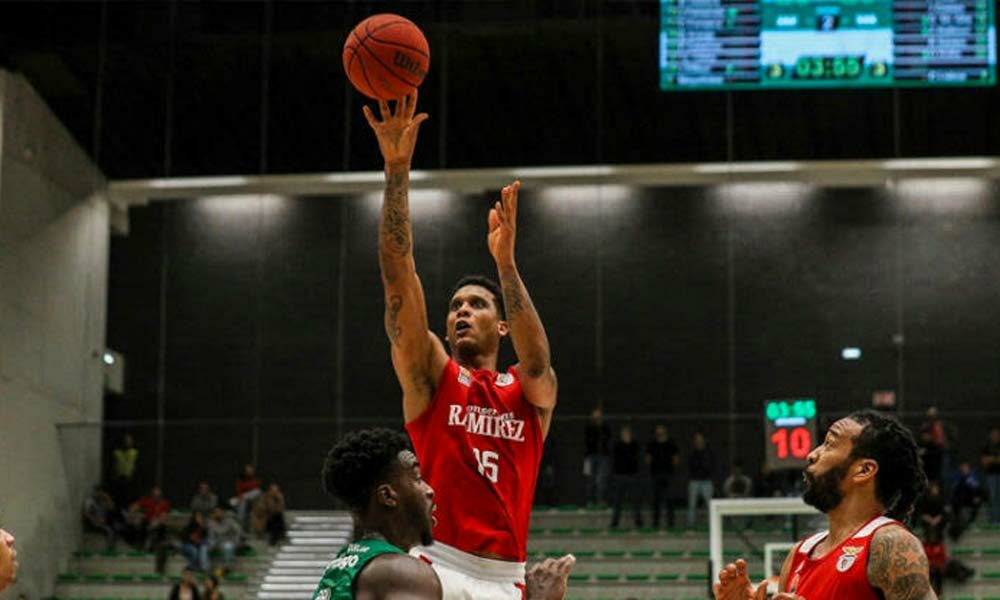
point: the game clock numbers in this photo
(789, 432)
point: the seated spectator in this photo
(194, 543)
(210, 589)
(100, 514)
(247, 491)
(225, 534)
(967, 497)
(153, 525)
(205, 500)
(737, 485)
(931, 512)
(185, 589)
(269, 514)
(937, 558)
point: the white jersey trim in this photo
(870, 528)
(811, 542)
(477, 567)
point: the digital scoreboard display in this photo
(745, 44)
(789, 432)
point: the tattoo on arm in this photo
(513, 295)
(897, 566)
(395, 239)
(392, 328)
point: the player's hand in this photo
(547, 580)
(503, 225)
(734, 583)
(397, 131)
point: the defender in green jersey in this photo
(377, 475)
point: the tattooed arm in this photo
(418, 356)
(898, 567)
(538, 379)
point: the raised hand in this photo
(503, 225)
(734, 583)
(547, 580)
(397, 131)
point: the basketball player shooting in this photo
(477, 432)
(865, 477)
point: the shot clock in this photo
(789, 432)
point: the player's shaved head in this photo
(485, 283)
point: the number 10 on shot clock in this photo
(789, 432)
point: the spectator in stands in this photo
(941, 435)
(210, 589)
(269, 514)
(991, 469)
(205, 500)
(625, 476)
(967, 497)
(8, 559)
(662, 456)
(931, 453)
(186, 588)
(597, 442)
(194, 543)
(937, 559)
(247, 491)
(124, 460)
(932, 514)
(155, 510)
(701, 474)
(224, 534)
(738, 484)
(100, 514)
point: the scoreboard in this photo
(760, 44)
(789, 432)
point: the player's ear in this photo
(503, 328)
(865, 470)
(386, 495)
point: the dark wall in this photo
(210, 87)
(253, 326)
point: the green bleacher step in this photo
(668, 576)
(235, 577)
(637, 577)
(608, 576)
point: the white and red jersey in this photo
(840, 573)
(480, 446)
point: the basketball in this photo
(386, 56)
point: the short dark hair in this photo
(359, 462)
(485, 282)
(900, 480)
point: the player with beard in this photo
(866, 477)
(377, 475)
(8, 559)
(477, 432)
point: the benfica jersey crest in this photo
(849, 556)
(504, 379)
(464, 377)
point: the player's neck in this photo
(850, 516)
(477, 362)
(369, 529)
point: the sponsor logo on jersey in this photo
(485, 421)
(504, 379)
(849, 556)
(324, 594)
(464, 377)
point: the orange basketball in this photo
(386, 56)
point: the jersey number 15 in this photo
(487, 462)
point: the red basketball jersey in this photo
(842, 572)
(480, 445)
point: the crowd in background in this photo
(620, 470)
(212, 529)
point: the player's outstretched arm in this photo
(538, 379)
(417, 354)
(397, 577)
(898, 566)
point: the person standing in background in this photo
(597, 441)
(625, 472)
(124, 460)
(990, 457)
(662, 456)
(701, 473)
(247, 491)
